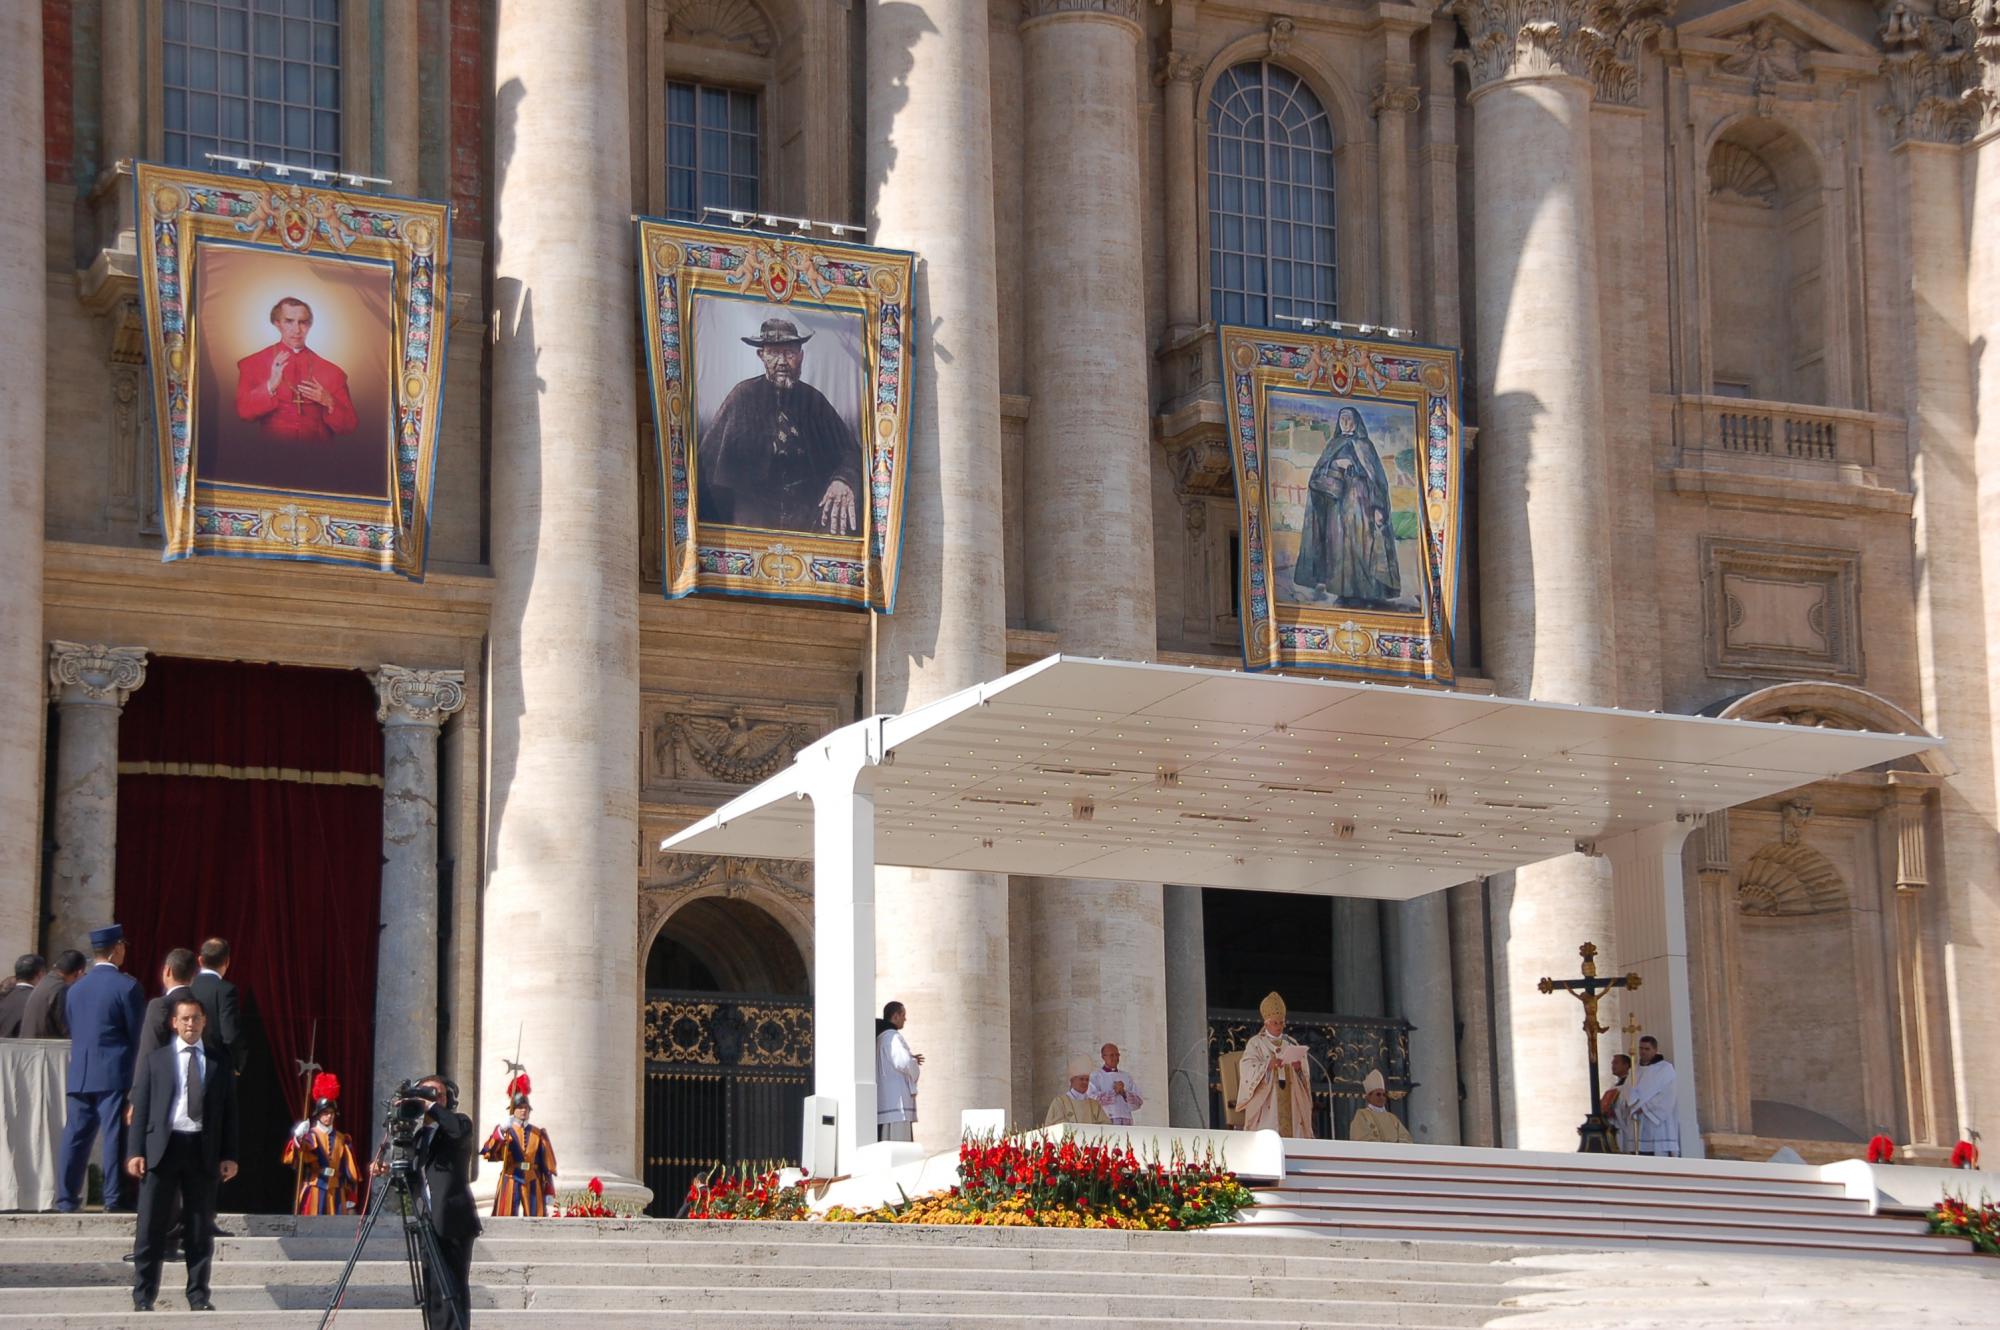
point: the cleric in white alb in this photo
(1115, 1089)
(1653, 1100)
(896, 1072)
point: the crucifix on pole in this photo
(1594, 1136)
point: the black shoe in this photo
(130, 1257)
(214, 1232)
(203, 1306)
(141, 1303)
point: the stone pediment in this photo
(1776, 27)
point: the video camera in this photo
(405, 1113)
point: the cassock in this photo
(527, 1162)
(1267, 1107)
(1069, 1106)
(281, 413)
(770, 453)
(332, 1175)
(1118, 1107)
(1378, 1124)
(896, 1072)
(1620, 1112)
(1653, 1101)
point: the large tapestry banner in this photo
(296, 339)
(781, 407)
(1347, 455)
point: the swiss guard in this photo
(527, 1159)
(331, 1176)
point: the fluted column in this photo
(1396, 99)
(90, 685)
(402, 125)
(1099, 965)
(559, 970)
(23, 403)
(941, 944)
(1178, 73)
(1544, 522)
(412, 706)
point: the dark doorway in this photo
(728, 1045)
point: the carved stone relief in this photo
(1943, 68)
(1780, 611)
(735, 24)
(701, 744)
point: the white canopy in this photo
(1074, 768)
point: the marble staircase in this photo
(1340, 1189)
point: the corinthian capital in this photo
(417, 697)
(1598, 40)
(1035, 10)
(1939, 68)
(95, 673)
(1177, 67)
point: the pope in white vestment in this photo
(896, 1072)
(1272, 1086)
(1653, 1101)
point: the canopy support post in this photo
(1649, 906)
(839, 782)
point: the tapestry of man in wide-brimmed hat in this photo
(1347, 458)
(780, 410)
(296, 340)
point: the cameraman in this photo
(442, 1154)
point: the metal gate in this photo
(726, 1077)
(1344, 1050)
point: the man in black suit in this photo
(28, 971)
(156, 1027)
(220, 1004)
(47, 1014)
(182, 1142)
(443, 1154)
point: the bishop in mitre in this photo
(1076, 1104)
(1373, 1121)
(1272, 1086)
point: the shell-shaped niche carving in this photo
(1734, 169)
(738, 24)
(1790, 880)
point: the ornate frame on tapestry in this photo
(702, 290)
(1350, 554)
(386, 264)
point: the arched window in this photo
(1767, 248)
(1270, 199)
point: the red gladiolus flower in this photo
(1881, 1150)
(596, 1187)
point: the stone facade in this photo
(1727, 277)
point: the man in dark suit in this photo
(105, 1009)
(443, 1155)
(28, 971)
(47, 1015)
(181, 1143)
(220, 1004)
(156, 1027)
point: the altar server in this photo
(896, 1072)
(332, 1175)
(526, 1157)
(1076, 1103)
(1272, 1085)
(1112, 1086)
(1373, 1121)
(1653, 1101)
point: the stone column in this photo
(402, 126)
(1177, 74)
(1187, 1008)
(1357, 957)
(1721, 1053)
(559, 965)
(90, 684)
(1099, 965)
(1544, 519)
(24, 351)
(1471, 971)
(1396, 98)
(412, 706)
(941, 944)
(1421, 963)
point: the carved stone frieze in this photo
(668, 880)
(734, 24)
(1032, 10)
(1767, 57)
(1780, 611)
(715, 741)
(1790, 879)
(1202, 466)
(1942, 69)
(1598, 40)
(1280, 37)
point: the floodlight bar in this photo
(1360, 329)
(772, 221)
(285, 171)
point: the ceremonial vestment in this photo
(1266, 1105)
(1069, 1106)
(527, 1169)
(896, 1072)
(1378, 1124)
(1104, 1083)
(332, 1173)
(1654, 1099)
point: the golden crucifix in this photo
(1594, 1136)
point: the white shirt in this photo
(179, 1119)
(1117, 1107)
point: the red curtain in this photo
(288, 870)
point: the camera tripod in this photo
(420, 1246)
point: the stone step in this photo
(1527, 1169)
(1097, 1308)
(169, 1317)
(293, 1279)
(1464, 1212)
(1620, 1192)
(1668, 1209)
(1604, 1234)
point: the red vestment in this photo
(282, 413)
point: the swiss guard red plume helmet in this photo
(517, 1092)
(326, 1092)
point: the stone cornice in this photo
(417, 697)
(1594, 40)
(95, 673)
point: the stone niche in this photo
(702, 749)
(1780, 611)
